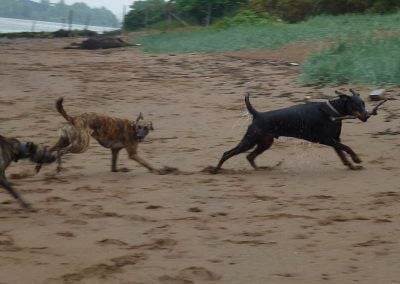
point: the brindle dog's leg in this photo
(114, 158)
(61, 143)
(73, 148)
(132, 152)
(8, 187)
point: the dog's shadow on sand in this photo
(166, 170)
(211, 170)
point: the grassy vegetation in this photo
(366, 51)
(369, 61)
(271, 35)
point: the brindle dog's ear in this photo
(140, 116)
(31, 147)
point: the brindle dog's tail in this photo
(61, 110)
(250, 108)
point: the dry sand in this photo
(304, 219)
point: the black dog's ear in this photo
(151, 126)
(354, 93)
(342, 95)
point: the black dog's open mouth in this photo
(362, 116)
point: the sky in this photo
(115, 6)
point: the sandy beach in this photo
(304, 218)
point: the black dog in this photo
(12, 150)
(318, 122)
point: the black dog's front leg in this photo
(8, 187)
(345, 161)
(339, 148)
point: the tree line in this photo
(148, 13)
(60, 12)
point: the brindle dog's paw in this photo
(356, 160)
(167, 170)
(38, 167)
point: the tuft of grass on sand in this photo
(371, 61)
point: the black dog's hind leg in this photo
(262, 146)
(8, 187)
(114, 158)
(242, 147)
(249, 141)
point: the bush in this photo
(244, 18)
(294, 10)
(298, 10)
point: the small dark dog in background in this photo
(318, 122)
(12, 150)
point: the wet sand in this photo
(304, 218)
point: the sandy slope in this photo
(305, 219)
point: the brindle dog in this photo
(110, 132)
(12, 150)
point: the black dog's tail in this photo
(249, 106)
(61, 110)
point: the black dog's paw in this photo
(27, 207)
(356, 168)
(210, 169)
(30, 209)
(357, 160)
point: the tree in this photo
(145, 13)
(203, 11)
